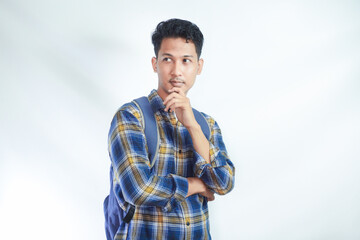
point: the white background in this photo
(282, 78)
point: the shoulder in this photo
(126, 119)
(128, 112)
(130, 108)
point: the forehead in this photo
(178, 46)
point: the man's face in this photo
(177, 65)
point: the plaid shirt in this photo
(158, 190)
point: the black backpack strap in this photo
(129, 214)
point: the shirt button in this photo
(180, 151)
(187, 223)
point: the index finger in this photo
(170, 96)
(177, 90)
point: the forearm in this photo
(197, 186)
(151, 190)
(219, 174)
(200, 142)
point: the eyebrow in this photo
(170, 55)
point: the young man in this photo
(170, 193)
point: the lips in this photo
(177, 82)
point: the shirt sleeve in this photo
(133, 179)
(219, 174)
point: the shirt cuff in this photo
(181, 190)
(215, 161)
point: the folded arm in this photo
(217, 171)
(133, 180)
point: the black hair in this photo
(174, 28)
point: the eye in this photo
(186, 60)
(166, 59)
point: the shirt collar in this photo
(155, 101)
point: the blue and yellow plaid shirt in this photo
(158, 190)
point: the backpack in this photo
(114, 214)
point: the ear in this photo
(200, 66)
(153, 62)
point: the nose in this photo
(176, 69)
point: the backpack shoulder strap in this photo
(150, 129)
(200, 118)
